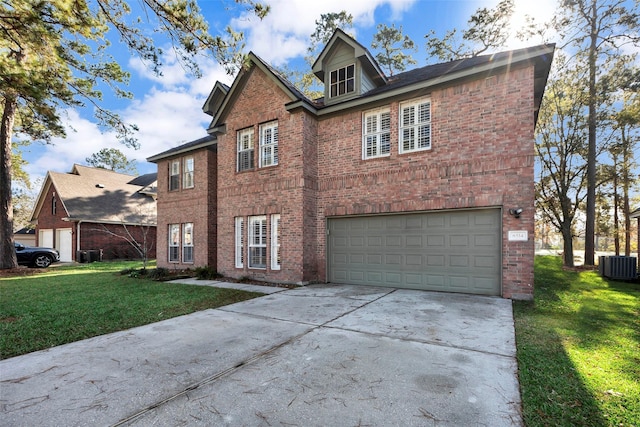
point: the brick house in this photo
(93, 209)
(420, 180)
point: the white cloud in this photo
(172, 70)
(169, 112)
(284, 33)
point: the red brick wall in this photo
(111, 239)
(270, 190)
(482, 156)
(196, 205)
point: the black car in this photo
(36, 257)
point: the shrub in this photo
(207, 273)
(158, 273)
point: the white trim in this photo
(239, 242)
(268, 153)
(187, 243)
(175, 244)
(275, 242)
(376, 124)
(245, 149)
(188, 175)
(412, 125)
(257, 242)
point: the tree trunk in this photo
(616, 203)
(589, 244)
(567, 238)
(7, 252)
(626, 180)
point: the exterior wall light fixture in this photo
(515, 212)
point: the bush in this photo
(158, 273)
(207, 273)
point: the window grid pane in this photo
(239, 226)
(174, 175)
(415, 129)
(174, 242)
(342, 80)
(258, 242)
(269, 144)
(275, 242)
(187, 180)
(245, 150)
(377, 138)
(187, 242)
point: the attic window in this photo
(343, 80)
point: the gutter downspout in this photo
(78, 236)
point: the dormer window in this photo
(343, 80)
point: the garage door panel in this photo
(459, 261)
(458, 251)
(393, 259)
(459, 240)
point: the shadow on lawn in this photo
(553, 392)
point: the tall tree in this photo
(112, 159)
(600, 28)
(560, 145)
(393, 44)
(488, 29)
(54, 55)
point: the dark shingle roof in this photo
(201, 142)
(101, 195)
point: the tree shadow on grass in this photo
(553, 391)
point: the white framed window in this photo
(342, 81)
(174, 175)
(187, 174)
(239, 242)
(275, 242)
(245, 149)
(376, 134)
(269, 144)
(415, 126)
(187, 242)
(257, 242)
(174, 242)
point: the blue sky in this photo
(167, 109)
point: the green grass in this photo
(578, 349)
(70, 303)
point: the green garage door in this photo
(452, 251)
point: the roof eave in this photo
(443, 79)
(168, 154)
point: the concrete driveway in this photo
(318, 355)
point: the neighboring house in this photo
(420, 180)
(93, 209)
(26, 236)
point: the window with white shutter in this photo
(415, 126)
(376, 134)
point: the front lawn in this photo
(578, 349)
(40, 309)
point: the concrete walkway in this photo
(318, 355)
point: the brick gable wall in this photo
(265, 191)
